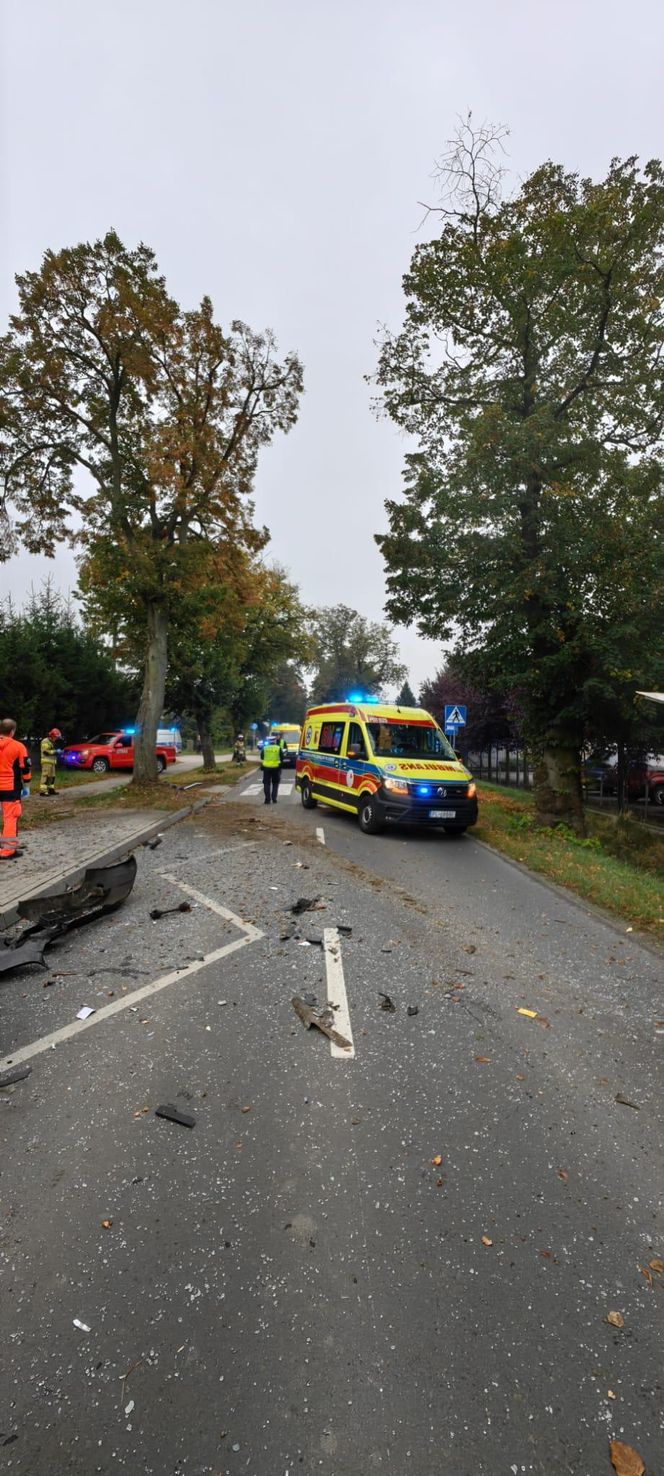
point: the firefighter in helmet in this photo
(48, 756)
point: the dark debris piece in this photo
(173, 1114)
(386, 1003)
(304, 904)
(344, 930)
(17, 1073)
(158, 912)
(413, 1010)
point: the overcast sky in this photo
(273, 154)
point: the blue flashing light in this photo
(361, 697)
(129, 730)
(424, 789)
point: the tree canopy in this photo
(55, 673)
(133, 429)
(350, 654)
(529, 367)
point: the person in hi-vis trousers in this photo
(14, 780)
(271, 766)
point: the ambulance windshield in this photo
(291, 736)
(408, 740)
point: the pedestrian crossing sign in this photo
(455, 715)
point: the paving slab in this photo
(59, 854)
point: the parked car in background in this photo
(647, 777)
(111, 751)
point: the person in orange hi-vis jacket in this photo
(14, 778)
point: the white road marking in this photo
(320, 834)
(255, 789)
(336, 993)
(253, 933)
(250, 934)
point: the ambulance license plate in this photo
(442, 814)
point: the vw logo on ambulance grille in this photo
(441, 793)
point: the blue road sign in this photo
(455, 715)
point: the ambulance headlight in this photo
(471, 791)
(396, 786)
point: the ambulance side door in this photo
(330, 744)
(353, 757)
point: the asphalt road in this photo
(294, 1284)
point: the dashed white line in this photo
(336, 993)
(320, 834)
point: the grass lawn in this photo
(619, 866)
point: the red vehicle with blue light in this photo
(109, 751)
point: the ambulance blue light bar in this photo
(361, 697)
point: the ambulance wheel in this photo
(455, 829)
(308, 801)
(368, 817)
(100, 765)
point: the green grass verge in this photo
(619, 866)
(226, 773)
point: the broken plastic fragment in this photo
(83, 1325)
(172, 1114)
(85, 1012)
(530, 1014)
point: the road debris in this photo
(17, 1073)
(413, 1010)
(482, 1060)
(657, 1265)
(529, 1014)
(307, 904)
(82, 1325)
(437, 1160)
(625, 1102)
(321, 1020)
(85, 1012)
(625, 1460)
(106, 1224)
(486, 1240)
(16, 955)
(386, 1003)
(615, 1319)
(344, 930)
(173, 1114)
(158, 912)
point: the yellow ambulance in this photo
(387, 765)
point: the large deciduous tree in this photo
(530, 370)
(351, 653)
(134, 428)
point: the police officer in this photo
(48, 755)
(271, 766)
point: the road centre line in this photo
(336, 993)
(250, 934)
(320, 834)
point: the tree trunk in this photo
(207, 746)
(152, 696)
(621, 776)
(557, 785)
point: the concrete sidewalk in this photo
(57, 856)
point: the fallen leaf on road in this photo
(437, 1160)
(610, 1394)
(439, 1183)
(519, 1077)
(625, 1102)
(485, 1240)
(625, 1460)
(245, 1109)
(542, 1020)
(106, 1224)
(562, 1174)
(615, 1319)
(483, 1060)
(657, 1266)
(646, 1273)
(530, 1014)
(470, 948)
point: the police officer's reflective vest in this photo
(271, 756)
